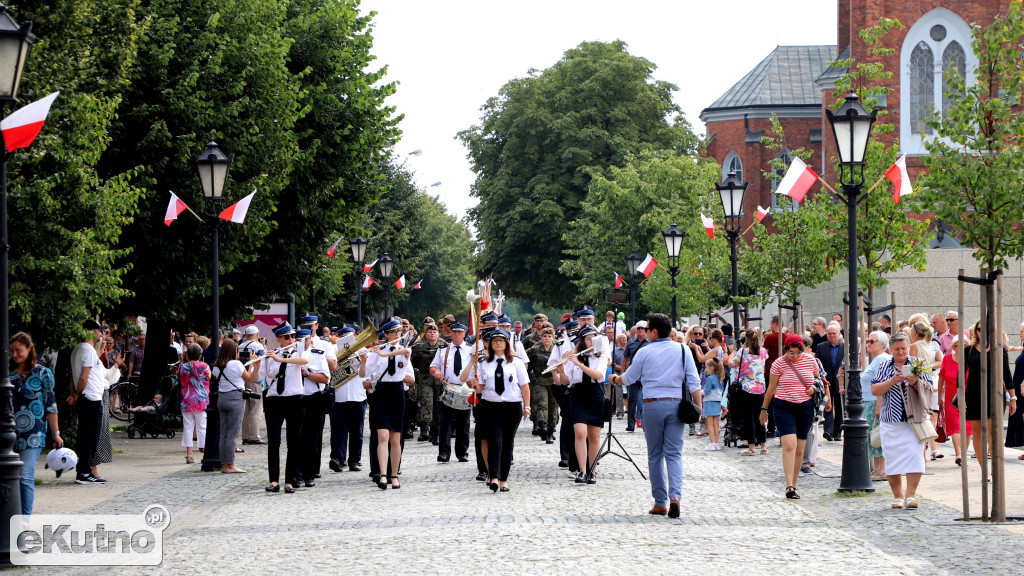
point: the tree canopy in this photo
(540, 143)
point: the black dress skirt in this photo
(587, 406)
(972, 388)
(1015, 425)
(387, 406)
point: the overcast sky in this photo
(450, 56)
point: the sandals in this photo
(190, 460)
(911, 503)
(748, 452)
(764, 450)
(396, 486)
(897, 504)
(791, 493)
(878, 478)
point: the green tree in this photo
(629, 210)
(65, 218)
(539, 144)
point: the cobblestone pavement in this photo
(735, 518)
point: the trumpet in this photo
(564, 360)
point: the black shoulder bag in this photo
(688, 413)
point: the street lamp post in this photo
(633, 262)
(851, 125)
(732, 190)
(213, 166)
(15, 41)
(673, 242)
(386, 264)
(358, 245)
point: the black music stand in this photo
(606, 447)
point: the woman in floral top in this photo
(746, 406)
(33, 399)
(194, 376)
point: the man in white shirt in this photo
(447, 365)
(86, 396)
(347, 416)
(315, 376)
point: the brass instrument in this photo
(564, 360)
(346, 357)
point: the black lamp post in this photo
(633, 261)
(213, 166)
(358, 245)
(673, 242)
(732, 191)
(386, 265)
(851, 125)
(15, 41)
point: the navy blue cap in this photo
(309, 318)
(584, 311)
(504, 320)
(583, 333)
(496, 333)
(457, 326)
(346, 330)
(391, 324)
(284, 329)
(489, 317)
(571, 325)
(303, 332)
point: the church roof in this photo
(785, 78)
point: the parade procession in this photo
(377, 286)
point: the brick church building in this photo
(796, 83)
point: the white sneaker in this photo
(709, 448)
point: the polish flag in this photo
(22, 126)
(236, 212)
(401, 282)
(709, 225)
(618, 281)
(367, 282)
(797, 181)
(174, 208)
(897, 174)
(761, 213)
(330, 251)
(648, 265)
(368, 267)
(418, 285)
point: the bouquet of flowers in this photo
(921, 369)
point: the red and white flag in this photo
(709, 225)
(174, 208)
(367, 282)
(418, 285)
(236, 212)
(400, 283)
(330, 251)
(797, 181)
(23, 125)
(618, 281)
(897, 174)
(648, 265)
(761, 213)
(368, 267)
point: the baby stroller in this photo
(731, 428)
(152, 418)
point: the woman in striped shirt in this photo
(791, 385)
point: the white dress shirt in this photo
(269, 369)
(514, 376)
(444, 360)
(317, 365)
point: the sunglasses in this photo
(286, 337)
(950, 319)
(871, 341)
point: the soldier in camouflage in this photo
(532, 338)
(542, 399)
(428, 389)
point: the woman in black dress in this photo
(388, 373)
(585, 373)
(1015, 425)
(973, 388)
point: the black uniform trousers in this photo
(566, 436)
(501, 420)
(347, 425)
(312, 436)
(285, 410)
(453, 422)
(479, 433)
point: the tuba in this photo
(347, 369)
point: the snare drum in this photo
(453, 398)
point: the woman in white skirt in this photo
(898, 390)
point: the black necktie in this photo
(458, 362)
(586, 377)
(499, 379)
(280, 375)
(391, 362)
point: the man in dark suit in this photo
(833, 359)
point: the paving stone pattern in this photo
(735, 521)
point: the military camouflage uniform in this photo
(427, 388)
(531, 340)
(542, 399)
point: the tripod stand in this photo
(606, 448)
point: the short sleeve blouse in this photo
(790, 387)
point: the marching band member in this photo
(315, 376)
(447, 366)
(488, 322)
(347, 422)
(283, 405)
(505, 400)
(585, 374)
(388, 373)
(566, 442)
(585, 316)
(543, 405)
